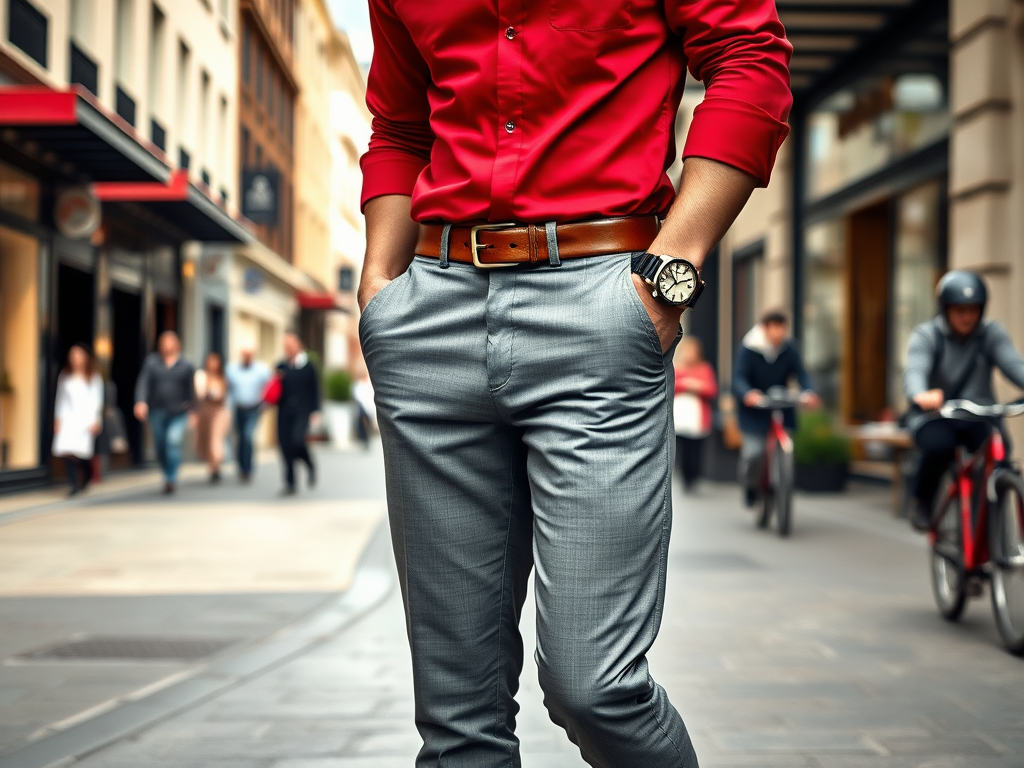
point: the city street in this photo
(822, 650)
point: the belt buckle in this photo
(475, 247)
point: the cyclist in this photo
(949, 357)
(767, 358)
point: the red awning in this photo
(75, 136)
(319, 300)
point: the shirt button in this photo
(510, 32)
(510, 126)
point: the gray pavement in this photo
(823, 650)
(39, 696)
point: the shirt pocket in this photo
(590, 15)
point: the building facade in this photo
(114, 116)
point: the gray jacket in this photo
(988, 347)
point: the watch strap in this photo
(646, 265)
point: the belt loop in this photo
(552, 238)
(446, 236)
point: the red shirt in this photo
(541, 110)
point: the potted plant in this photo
(338, 411)
(821, 454)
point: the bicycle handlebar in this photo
(967, 409)
(779, 397)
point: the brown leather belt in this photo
(506, 245)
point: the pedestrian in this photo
(521, 362)
(297, 408)
(695, 390)
(77, 415)
(165, 398)
(214, 419)
(247, 381)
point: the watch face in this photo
(677, 282)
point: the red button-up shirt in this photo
(542, 110)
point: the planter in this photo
(822, 478)
(340, 421)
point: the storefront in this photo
(92, 229)
(870, 227)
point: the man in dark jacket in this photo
(164, 396)
(949, 357)
(767, 358)
(298, 407)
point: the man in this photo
(521, 370)
(948, 358)
(247, 381)
(298, 407)
(767, 358)
(165, 398)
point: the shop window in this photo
(19, 351)
(918, 263)
(863, 128)
(83, 69)
(27, 29)
(824, 307)
(19, 193)
(748, 265)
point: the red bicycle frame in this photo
(776, 436)
(974, 528)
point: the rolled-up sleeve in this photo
(738, 49)
(396, 94)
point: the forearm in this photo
(390, 243)
(710, 198)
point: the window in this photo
(154, 75)
(158, 134)
(870, 124)
(184, 160)
(222, 139)
(83, 69)
(181, 102)
(748, 266)
(245, 148)
(19, 350)
(124, 105)
(203, 129)
(27, 29)
(259, 73)
(19, 193)
(123, 58)
(246, 53)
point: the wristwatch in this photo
(676, 282)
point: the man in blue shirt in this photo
(247, 381)
(767, 358)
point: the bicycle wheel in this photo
(1006, 528)
(765, 515)
(783, 490)
(947, 558)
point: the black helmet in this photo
(961, 287)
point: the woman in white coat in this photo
(77, 416)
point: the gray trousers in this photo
(525, 416)
(751, 463)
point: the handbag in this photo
(688, 416)
(272, 392)
(114, 433)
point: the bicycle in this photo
(777, 467)
(977, 531)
